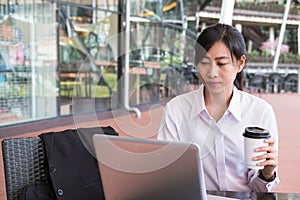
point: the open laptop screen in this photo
(135, 168)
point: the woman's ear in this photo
(241, 63)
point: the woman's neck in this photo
(217, 104)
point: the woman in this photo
(216, 115)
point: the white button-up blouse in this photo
(222, 149)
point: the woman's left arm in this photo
(270, 162)
(266, 180)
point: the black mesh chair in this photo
(24, 164)
(257, 83)
(291, 83)
(275, 83)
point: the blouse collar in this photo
(199, 106)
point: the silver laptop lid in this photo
(135, 168)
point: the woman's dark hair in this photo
(232, 39)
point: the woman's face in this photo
(218, 69)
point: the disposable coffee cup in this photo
(254, 137)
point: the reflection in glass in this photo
(88, 64)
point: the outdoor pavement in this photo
(287, 109)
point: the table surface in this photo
(256, 196)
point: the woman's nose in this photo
(213, 71)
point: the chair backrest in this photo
(275, 82)
(27, 162)
(275, 77)
(291, 78)
(257, 80)
(24, 163)
(291, 83)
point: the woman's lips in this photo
(214, 84)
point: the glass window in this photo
(28, 64)
(88, 70)
(110, 5)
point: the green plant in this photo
(253, 53)
(290, 58)
(266, 53)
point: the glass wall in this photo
(46, 66)
(62, 58)
(159, 51)
(28, 62)
(87, 58)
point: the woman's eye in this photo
(221, 64)
(204, 63)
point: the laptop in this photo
(147, 169)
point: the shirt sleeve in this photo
(168, 129)
(259, 185)
(254, 182)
